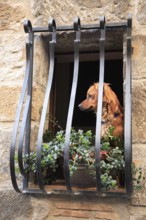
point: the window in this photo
(98, 54)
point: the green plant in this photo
(82, 150)
(137, 177)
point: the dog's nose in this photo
(80, 107)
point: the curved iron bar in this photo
(29, 47)
(22, 133)
(128, 120)
(29, 93)
(27, 26)
(52, 29)
(99, 105)
(26, 120)
(72, 102)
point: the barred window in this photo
(87, 146)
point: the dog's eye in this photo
(89, 96)
(93, 96)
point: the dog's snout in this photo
(80, 107)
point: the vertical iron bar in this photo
(99, 104)
(71, 104)
(22, 133)
(29, 93)
(128, 121)
(52, 28)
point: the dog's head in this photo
(109, 97)
(90, 103)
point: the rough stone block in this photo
(141, 15)
(105, 215)
(8, 103)
(138, 56)
(139, 196)
(14, 205)
(88, 11)
(72, 213)
(10, 15)
(138, 111)
(5, 142)
(84, 206)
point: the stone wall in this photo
(12, 66)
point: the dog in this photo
(112, 112)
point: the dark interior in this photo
(88, 74)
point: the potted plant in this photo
(82, 158)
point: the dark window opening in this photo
(88, 74)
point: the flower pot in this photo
(103, 155)
(83, 177)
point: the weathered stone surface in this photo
(139, 56)
(138, 110)
(86, 210)
(38, 97)
(5, 138)
(41, 62)
(137, 213)
(42, 208)
(14, 205)
(86, 206)
(72, 213)
(9, 100)
(139, 197)
(12, 53)
(141, 15)
(8, 103)
(109, 216)
(5, 142)
(88, 11)
(10, 15)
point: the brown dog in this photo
(112, 113)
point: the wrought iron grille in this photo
(24, 133)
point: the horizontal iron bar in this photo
(77, 193)
(88, 52)
(83, 27)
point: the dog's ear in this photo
(108, 94)
(110, 97)
(95, 85)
